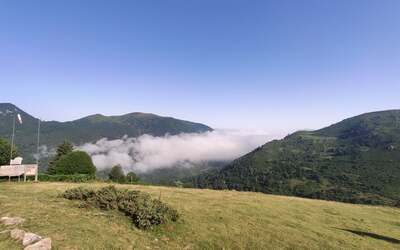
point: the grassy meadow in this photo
(209, 220)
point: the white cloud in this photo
(148, 152)
(44, 152)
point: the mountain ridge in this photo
(89, 128)
(356, 160)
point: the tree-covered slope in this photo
(89, 128)
(356, 160)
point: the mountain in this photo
(88, 129)
(356, 160)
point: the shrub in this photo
(79, 193)
(107, 198)
(67, 178)
(77, 162)
(144, 211)
(5, 149)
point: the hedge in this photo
(67, 178)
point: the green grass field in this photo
(209, 220)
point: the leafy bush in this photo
(77, 162)
(67, 178)
(144, 211)
(5, 149)
(79, 193)
(107, 198)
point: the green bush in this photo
(144, 211)
(67, 178)
(76, 162)
(5, 149)
(79, 193)
(106, 198)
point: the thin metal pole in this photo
(12, 138)
(37, 157)
(38, 142)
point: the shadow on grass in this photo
(372, 235)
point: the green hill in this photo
(356, 160)
(208, 220)
(178, 174)
(89, 128)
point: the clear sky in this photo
(270, 65)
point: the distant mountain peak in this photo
(8, 109)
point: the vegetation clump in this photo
(117, 175)
(79, 193)
(5, 149)
(63, 149)
(144, 211)
(67, 177)
(76, 162)
(131, 177)
(69, 162)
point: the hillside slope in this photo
(356, 160)
(209, 220)
(89, 128)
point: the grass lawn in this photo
(209, 220)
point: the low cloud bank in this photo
(44, 152)
(147, 152)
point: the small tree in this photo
(117, 175)
(63, 149)
(5, 149)
(76, 162)
(131, 177)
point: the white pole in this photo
(37, 156)
(12, 138)
(38, 142)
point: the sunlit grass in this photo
(209, 220)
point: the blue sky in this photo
(268, 65)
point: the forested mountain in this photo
(88, 129)
(179, 173)
(356, 160)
